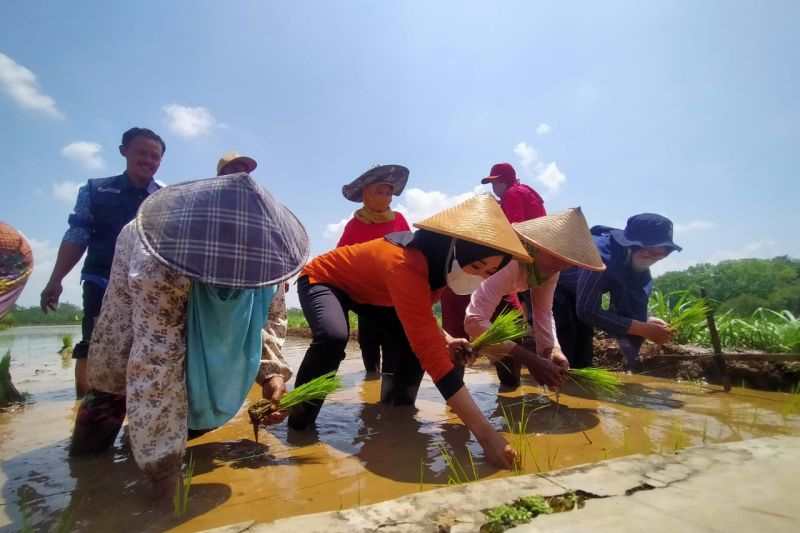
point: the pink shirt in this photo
(511, 279)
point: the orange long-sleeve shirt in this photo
(379, 272)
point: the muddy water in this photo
(360, 453)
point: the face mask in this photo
(639, 264)
(460, 282)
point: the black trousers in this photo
(325, 308)
(574, 336)
(92, 301)
(369, 340)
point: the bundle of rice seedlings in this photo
(316, 389)
(598, 381)
(508, 326)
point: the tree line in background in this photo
(33, 316)
(741, 286)
(737, 288)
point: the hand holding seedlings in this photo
(461, 352)
(545, 371)
(273, 390)
(651, 330)
(557, 357)
(261, 412)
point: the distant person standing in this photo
(374, 220)
(16, 265)
(519, 203)
(104, 206)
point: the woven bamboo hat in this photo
(564, 235)
(479, 220)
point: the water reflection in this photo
(360, 452)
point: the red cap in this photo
(503, 172)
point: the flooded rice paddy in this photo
(360, 453)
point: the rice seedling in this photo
(684, 312)
(551, 459)
(677, 436)
(519, 436)
(25, 513)
(508, 326)
(316, 389)
(8, 392)
(421, 474)
(456, 473)
(597, 381)
(792, 404)
(66, 343)
(180, 500)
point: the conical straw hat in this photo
(481, 221)
(564, 235)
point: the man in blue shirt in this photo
(628, 255)
(103, 207)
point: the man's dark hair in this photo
(132, 133)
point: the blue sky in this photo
(685, 108)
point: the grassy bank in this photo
(764, 329)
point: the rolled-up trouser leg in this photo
(325, 309)
(99, 420)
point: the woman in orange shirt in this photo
(404, 274)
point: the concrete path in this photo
(744, 486)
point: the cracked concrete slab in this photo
(750, 485)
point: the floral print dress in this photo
(138, 351)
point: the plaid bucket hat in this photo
(226, 231)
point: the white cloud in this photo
(552, 178)
(533, 167)
(528, 158)
(694, 225)
(335, 230)
(543, 129)
(189, 122)
(86, 153)
(21, 85)
(44, 258)
(65, 192)
(416, 205)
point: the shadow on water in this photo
(631, 395)
(545, 416)
(239, 454)
(47, 484)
